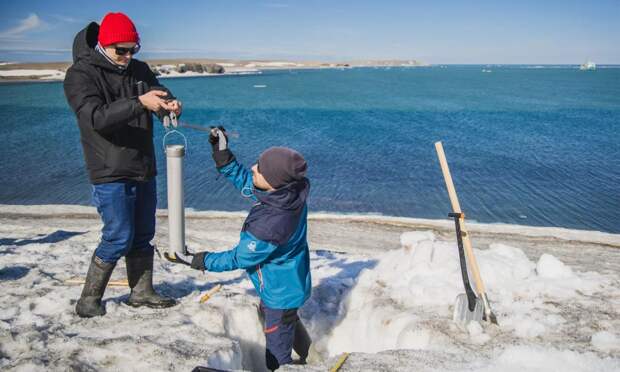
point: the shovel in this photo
(465, 307)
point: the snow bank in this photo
(405, 302)
(552, 268)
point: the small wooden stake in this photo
(111, 283)
(210, 293)
(339, 363)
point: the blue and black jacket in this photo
(272, 248)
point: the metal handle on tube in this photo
(174, 131)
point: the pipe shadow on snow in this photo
(13, 272)
(55, 237)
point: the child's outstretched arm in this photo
(227, 164)
(249, 253)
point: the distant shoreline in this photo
(42, 72)
(37, 72)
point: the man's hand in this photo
(174, 106)
(153, 100)
(198, 262)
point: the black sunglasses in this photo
(121, 51)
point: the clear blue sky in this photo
(432, 31)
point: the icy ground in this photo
(383, 290)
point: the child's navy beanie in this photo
(281, 166)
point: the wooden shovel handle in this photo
(454, 200)
(456, 207)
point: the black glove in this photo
(221, 153)
(217, 143)
(198, 261)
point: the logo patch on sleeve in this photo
(252, 246)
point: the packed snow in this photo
(397, 304)
(387, 302)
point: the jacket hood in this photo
(290, 197)
(84, 45)
(85, 41)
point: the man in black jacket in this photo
(113, 97)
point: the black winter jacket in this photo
(115, 129)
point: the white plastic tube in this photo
(176, 204)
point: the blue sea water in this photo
(531, 146)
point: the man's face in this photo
(123, 59)
(259, 181)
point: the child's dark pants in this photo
(283, 330)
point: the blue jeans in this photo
(127, 209)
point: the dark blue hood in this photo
(290, 197)
(276, 217)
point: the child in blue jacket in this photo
(272, 247)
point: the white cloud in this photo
(32, 22)
(67, 19)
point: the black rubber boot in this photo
(302, 342)
(89, 304)
(140, 278)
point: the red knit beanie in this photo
(117, 28)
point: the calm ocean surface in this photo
(527, 146)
